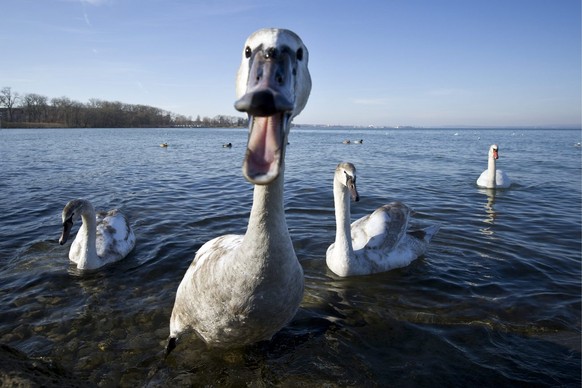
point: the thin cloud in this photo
(86, 17)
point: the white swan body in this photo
(243, 289)
(103, 238)
(378, 242)
(493, 178)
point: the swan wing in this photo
(425, 234)
(218, 298)
(411, 245)
(383, 229)
(215, 250)
(115, 238)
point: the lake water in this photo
(495, 301)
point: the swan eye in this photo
(300, 54)
(248, 52)
(350, 180)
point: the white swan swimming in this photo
(378, 242)
(243, 289)
(492, 177)
(103, 238)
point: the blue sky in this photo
(385, 62)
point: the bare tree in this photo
(9, 100)
(36, 107)
(62, 110)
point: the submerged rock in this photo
(19, 370)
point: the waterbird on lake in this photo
(164, 145)
(493, 178)
(103, 238)
(377, 242)
(360, 141)
(242, 289)
(346, 141)
(227, 145)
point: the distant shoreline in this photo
(25, 125)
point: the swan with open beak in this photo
(242, 289)
(273, 85)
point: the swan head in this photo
(345, 174)
(494, 151)
(71, 214)
(272, 87)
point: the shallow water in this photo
(496, 299)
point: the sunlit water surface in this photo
(496, 299)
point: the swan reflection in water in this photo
(490, 212)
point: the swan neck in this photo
(491, 171)
(267, 229)
(341, 198)
(267, 249)
(88, 234)
(268, 203)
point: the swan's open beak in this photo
(269, 101)
(67, 226)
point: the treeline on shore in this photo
(36, 111)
